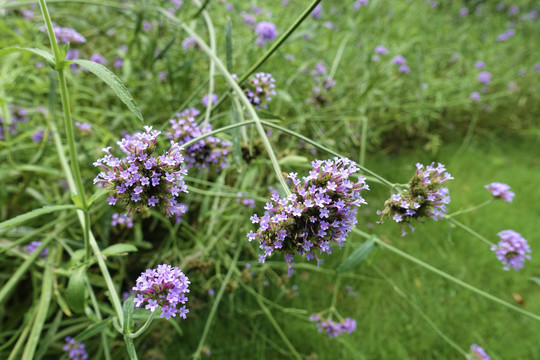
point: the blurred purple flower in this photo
(381, 50)
(500, 190)
(475, 96)
(317, 12)
(399, 60)
(479, 353)
(512, 250)
(266, 31)
(479, 64)
(204, 100)
(484, 77)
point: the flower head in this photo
(141, 179)
(210, 152)
(266, 31)
(512, 250)
(98, 58)
(122, 219)
(66, 35)
(381, 50)
(478, 353)
(320, 211)
(260, 89)
(484, 77)
(165, 287)
(33, 246)
(426, 197)
(75, 349)
(475, 96)
(500, 190)
(204, 100)
(333, 328)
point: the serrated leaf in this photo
(113, 81)
(33, 214)
(93, 329)
(357, 255)
(76, 291)
(43, 53)
(118, 249)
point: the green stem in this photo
(213, 311)
(469, 230)
(420, 312)
(143, 328)
(455, 280)
(74, 175)
(249, 107)
(472, 208)
(324, 148)
(212, 67)
(363, 144)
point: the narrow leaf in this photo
(357, 255)
(118, 249)
(129, 306)
(536, 280)
(76, 290)
(113, 81)
(21, 219)
(93, 329)
(44, 54)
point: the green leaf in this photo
(293, 160)
(97, 195)
(113, 81)
(21, 219)
(93, 329)
(536, 280)
(76, 291)
(119, 249)
(129, 306)
(76, 200)
(44, 54)
(357, 255)
(236, 136)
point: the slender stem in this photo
(50, 32)
(363, 140)
(324, 148)
(278, 328)
(420, 312)
(213, 311)
(472, 208)
(143, 328)
(249, 107)
(455, 280)
(470, 231)
(212, 67)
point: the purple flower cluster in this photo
(512, 250)
(66, 35)
(265, 31)
(164, 287)
(98, 58)
(139, 179)
(402, 62)
(332, 328)
(204, 100)
(321, 210)
(122, 219)
(18, 115)
(210, 152)
(323, 82)
(85, 128)
(484, 77)
(501, 190)
(33, 246)
(75, 349)
(424, 198)
(478, 353)
(506, 35)
(260, 89)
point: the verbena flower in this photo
(512, 250)
(140, 179)
(398, 60)
(98, 58)
(75, 349)
(248, 19)
(122, 219)
(475, 96)
(208, 153)
(33, 246)
(265, 31)
(317, 12)
(260, 89)
(85, 128)
(501, 190)
(484, 77)
(426, 197)
(333, 328)
(245, 201)
(477, 353)
(204, 100)
(479, 64)
(320, 211)
(381, 50)
(66, 35)
(359, 3)
(463, 12)
(164, 287)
